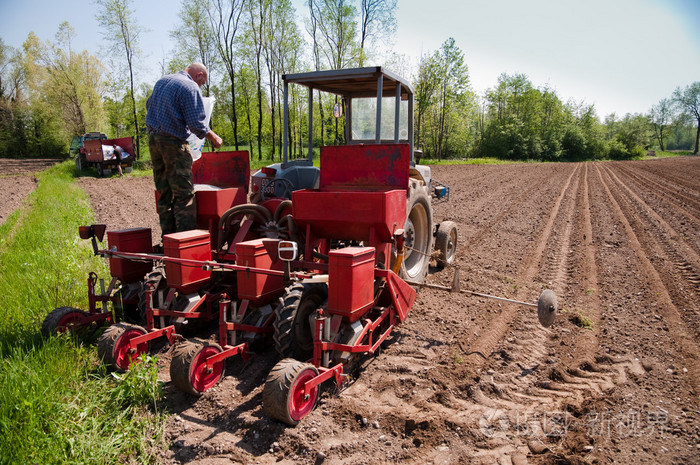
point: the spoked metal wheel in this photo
(113, 347)
(63, 319)
(419, 237)
(446, 243)
(188, 369)
(283, 394)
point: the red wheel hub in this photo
(122, 355)
(201, 377)
(298, 404)
(70, 320)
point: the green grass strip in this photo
(57, 403)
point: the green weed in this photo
(581, 320)
(139, 386)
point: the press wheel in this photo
(113, 346)
(188, 369)
(283, 394)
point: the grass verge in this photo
(57, 403)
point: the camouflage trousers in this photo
(172, 174)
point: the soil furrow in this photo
(680, 262)
(685, 343)
(498, 325)
(471, 380)
(683, 204)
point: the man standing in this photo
(174, 110)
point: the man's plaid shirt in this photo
(175, 107)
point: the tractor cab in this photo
(374, 105)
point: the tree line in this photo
(50, 92)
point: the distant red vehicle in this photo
(94, 149)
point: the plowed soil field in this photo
(615, 379)
(17, 181)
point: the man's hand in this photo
(214, 139)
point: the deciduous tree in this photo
(122, 33)
(68, 84)
(195, 38)
(225, 19)
(688, 100)
(660, 116)
(376, 20)
(443, 99)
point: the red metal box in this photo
(350, 215)
(188, 245)
(350, 281)
(259, 288)
(213, 203)
(130, 240)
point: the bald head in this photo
(198, 72)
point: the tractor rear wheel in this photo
(446, 243)
(293, 324)
(63, 319)
(419, 236)
(283, 394)
(188, 368)
(113, 346)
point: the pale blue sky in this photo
(621, 55)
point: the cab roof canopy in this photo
(352, 83)
(369, 82)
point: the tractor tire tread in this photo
(442, 241)
(285, 320)
(417, 270)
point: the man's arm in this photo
(214, 139)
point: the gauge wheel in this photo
(63, 319)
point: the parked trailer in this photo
(95, 150)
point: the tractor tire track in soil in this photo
(471, 380)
